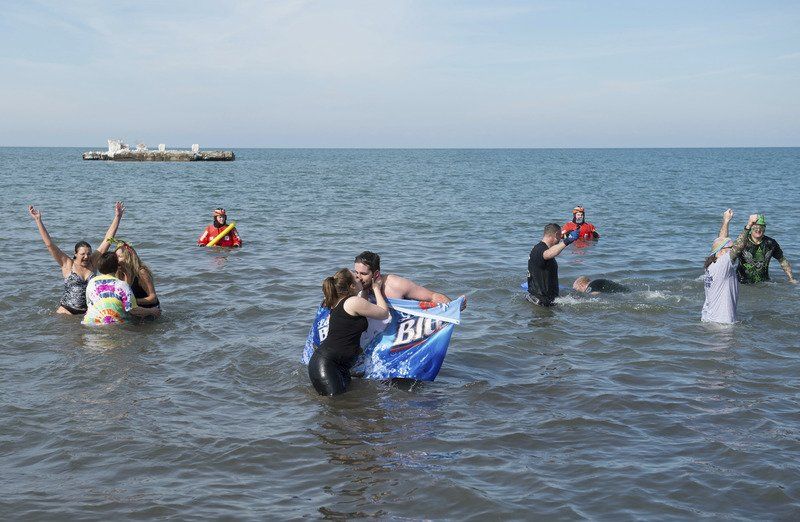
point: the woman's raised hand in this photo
(119, 209)
(35, 214)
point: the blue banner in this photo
(412, 345)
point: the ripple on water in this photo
(610, 406)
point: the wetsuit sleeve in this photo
(237, 241)
(739, 244)
(777, 253)
(785, 265)
(203, 239)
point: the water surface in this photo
(613, 407)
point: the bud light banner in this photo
(411, 346)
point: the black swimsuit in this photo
(329, 367)
(139, 293)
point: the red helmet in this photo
(578, 209)
(219, 212)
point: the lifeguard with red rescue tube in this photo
(219, 233)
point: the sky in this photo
(383, 73)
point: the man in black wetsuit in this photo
(759, 249)
(597, 286)
(542, 265)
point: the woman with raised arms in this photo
(78, 269)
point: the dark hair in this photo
(108, 264)
(371, 259)
(81, 244)
(337, 286)
(552, 229)
(710, 261)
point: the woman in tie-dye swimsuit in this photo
(77, 270)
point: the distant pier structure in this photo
(120, 151)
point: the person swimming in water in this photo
(78, 269)
(329, 367)
(598, 286)
(216, 228)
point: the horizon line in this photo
(440, 148)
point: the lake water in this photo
(614, 407)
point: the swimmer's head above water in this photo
(83, 253)
(220, 216)
(340, 285)
(581, 284)
(578, 214)
(108, 264)
(719, 248)
(367, 266)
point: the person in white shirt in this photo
(721, 284)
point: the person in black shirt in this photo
(542, 265)
(759, 249)
(597, 286)
(329, 367)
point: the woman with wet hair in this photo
(78, 269)
(329, 367)
(137, 275)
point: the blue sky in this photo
(299, 73)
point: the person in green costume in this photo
(757, 253)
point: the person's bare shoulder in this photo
(396, 287)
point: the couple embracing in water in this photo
(354, 296)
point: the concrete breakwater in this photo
(161, 155)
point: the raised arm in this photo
(741, 240)
(726, 220)
(556, 249)
(738, 244)
(61, 258)
(119, 210)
